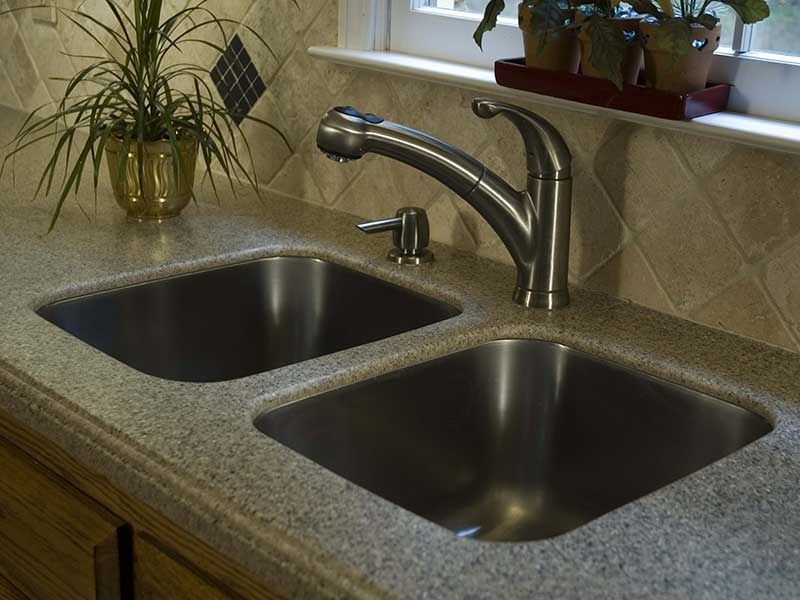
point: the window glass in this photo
(475, 7)
(727, 19)
(780, 33)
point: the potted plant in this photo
(609, 38)
(144, 109)
(549, 38)
(680, 37)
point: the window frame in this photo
(387, 24)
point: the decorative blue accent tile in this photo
(237, 80)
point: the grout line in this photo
(792, 333)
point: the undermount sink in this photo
(513, 440)
(238, 320)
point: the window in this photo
(443, 29)
(762, 60)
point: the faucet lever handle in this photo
(410, 232)
(547, 152)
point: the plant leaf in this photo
(489, 21)
(667, 7)
(608, 48)
(673, 35)
(547, 16)
(707, 20)
(751, 11)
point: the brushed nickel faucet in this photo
(533, 224)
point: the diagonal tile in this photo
(782, 279)
(642, 175)
(691, 253)
(758, 194)
(744, 309)
(302, 99)
(324, 32)
(439, 110)
(281, 22)
(295, 180)
(628, 276)
(447, 226)
(384, 186)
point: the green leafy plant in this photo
(677, 17)
(139, 89)
(608, 39)
(547, 17)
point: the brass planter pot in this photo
(162, 195)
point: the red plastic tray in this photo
(515, 74)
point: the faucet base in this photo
(548, 300)
(419, 258)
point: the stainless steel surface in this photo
(235, 321)
(514, 440)
(410, 232)
(534, 224)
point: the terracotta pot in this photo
(679, 74)
(561, 50)
(632, 62)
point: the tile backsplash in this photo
(703, 229)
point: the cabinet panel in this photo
(54, 541)
(162, 574)
(9, 592)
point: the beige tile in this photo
(447, 227)
(22, 72)
(703, 155)
(47, 52)
(758, 194)
(282, 22)
(269, 151)
(691, 253)
(8, 96)
(628, 276)
(369, 91)
(324, 32)
(302, 99)
(384, 186)
(782, 279)
(8, 29)
(295, 180)
(744, 309)
(596, 232)
(440, 110)
(642, 174)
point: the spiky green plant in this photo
(136, 92)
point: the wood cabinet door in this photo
(163, 574)
(55, 542)
(9, 592)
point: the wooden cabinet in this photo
(9, 592)
(67, 534)
(162, 574)
(54, 541)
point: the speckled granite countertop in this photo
(729, 531)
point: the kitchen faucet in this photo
(533, 224)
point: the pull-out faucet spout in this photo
(533, 224)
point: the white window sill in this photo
(746, 129)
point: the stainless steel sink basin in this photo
(513, 440)
(239, 320)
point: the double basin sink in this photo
(513, 440)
